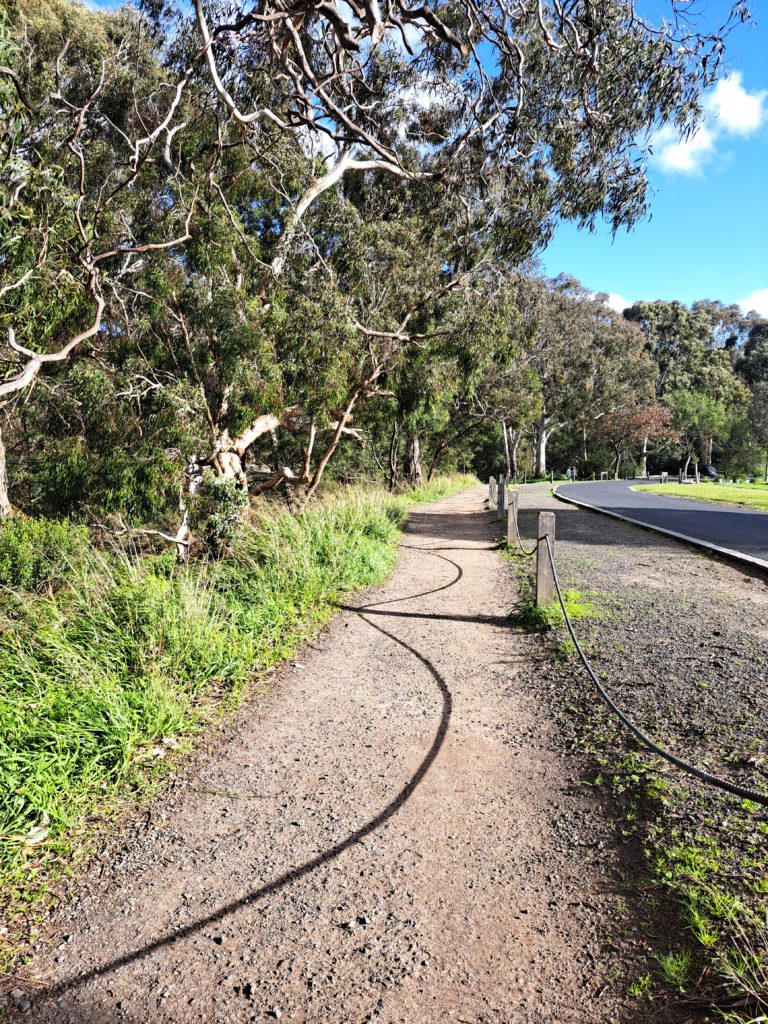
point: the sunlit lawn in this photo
(741, 495)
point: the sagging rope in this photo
(699, 773)
(524, 550)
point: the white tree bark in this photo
(5, 504)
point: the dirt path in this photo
(391, 836)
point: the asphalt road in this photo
(738, 532)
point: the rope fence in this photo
(546, 569)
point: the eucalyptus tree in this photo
(698, 418)
(587, 361)
(752, 362)
(257, 219)
(693, 350)
(512, 116)
(634, 428)
(90, 182)
(758, 420)
(484, 99)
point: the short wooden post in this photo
(545, 580)
(512, 518)
(491, 492)
(500, 499)
(696, 471)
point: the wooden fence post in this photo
(501, 496)
(491, 492)
(512, 518)
(545, 580)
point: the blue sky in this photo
(708, 232)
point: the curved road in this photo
(739, 533)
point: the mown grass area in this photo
(741, 495)
(110, 664)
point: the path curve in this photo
(737, 533)
(391, 835)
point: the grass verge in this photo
(112, 664)
(753, 496)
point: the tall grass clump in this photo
(105, 674)
(34, 552)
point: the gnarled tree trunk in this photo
(394, 448)
(412, 461)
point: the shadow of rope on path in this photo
(294, 874)
(412, 597)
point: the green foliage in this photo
(216, 512)
(38, 551)
(577, 604)
(640, 987)
(676, 968)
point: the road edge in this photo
(729, 553)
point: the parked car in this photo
(708, 472)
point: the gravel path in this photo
(395, 834)
(739, 531)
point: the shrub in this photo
(35, 551)
(216, 513)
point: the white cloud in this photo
(757, 300)
(617, 302)
(728, 110)
(735, 109)
(684, 156)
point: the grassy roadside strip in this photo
(753, 496)
(110, 665)
(704, 853)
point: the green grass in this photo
(676, 968)
(640, 987)
(741, 495)
(577, 604)
(106, 675)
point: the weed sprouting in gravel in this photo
(640, 987)
(676, 968)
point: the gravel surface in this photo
(682, 641)
(398, 833)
